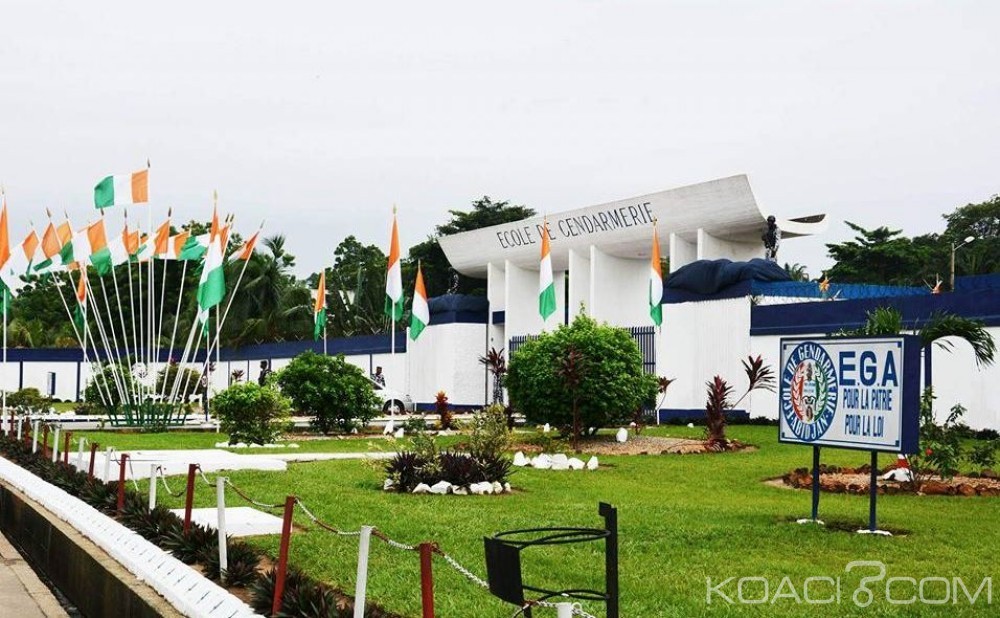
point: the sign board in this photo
(859, 393)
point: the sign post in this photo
(856, 393)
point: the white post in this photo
(564, 610)
(55, 446)
(153, 469)
(107, 463)
(20, 427)
(34, 436)
(362, 579)
(79, 455)
(220, 496)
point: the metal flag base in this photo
(149, 415)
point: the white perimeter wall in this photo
(698, 341)
(956, 379)
(446, 358)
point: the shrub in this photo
(759, 376)
(335, 393)
(490, 435)
(103, 387)
(188, 382)
(251, 413)
(612, 386)
(441, 407)
(28, 401)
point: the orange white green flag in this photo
(394, 278)
(420, 315)
(319, 307)
(91, 245)
(212, 285)
(80, 312)
(245, 252)
(124, 189)
(546, 285)
(655, 281)
(7, 279)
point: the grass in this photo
(189, 440)
(682, 519)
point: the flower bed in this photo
(835, 479)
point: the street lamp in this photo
(955, 247)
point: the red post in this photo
(286, 538)
(189, 500)
(45, 441)
(426, 579)
(93, 454)
(122, 459)
(66, 445)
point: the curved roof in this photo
(723, 208)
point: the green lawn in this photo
(184, 440)
(682, 519)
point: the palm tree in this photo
(796, 271)
(271, 304)
(889, 321)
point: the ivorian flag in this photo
(420, 315)
(122, 189)
(91, 244)
(394, 278)
(50, 248)
(546, 286)
(20, 261)
(80, 312)
(655, 282)
(212, 286)
(246, 251)
(7, 278)
(319, 307)
(194, 247)
(162, 238)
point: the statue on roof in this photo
(772, 239)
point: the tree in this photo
(609, 386)
(983, 222)
(356, 290)
(271, 305)
(884, 256)
(437, 271)
(252, 414)
(337, 394)
(796, 271)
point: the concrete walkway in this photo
(22, 594)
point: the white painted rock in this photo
(388, 428)
(592, 463)
(441, 487)
(460, 491)
(542, 462)
(520, 460)
(255, 445)
(221, 445)
(506, 488)
(293, 445)
(354, 431)
(479, 489)
(632, 425)
(387, 485)
(497, 487)
(690, 425)
(400, 432)
(900, 475)
(546, 428)
(421, 488)
(575, 464)
(622, 435)
(560, 462)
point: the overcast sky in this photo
(318, 117)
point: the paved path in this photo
(22, 594)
